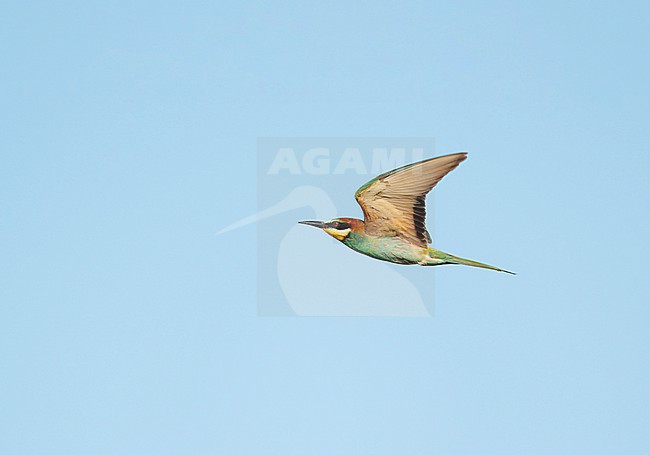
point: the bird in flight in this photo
(393, 227)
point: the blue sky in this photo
(129, 138)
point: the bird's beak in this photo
(318, 224)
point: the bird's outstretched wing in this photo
(393, 203)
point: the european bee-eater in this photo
(393, 227)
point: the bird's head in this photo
(339, 228)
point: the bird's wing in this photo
(393, 203)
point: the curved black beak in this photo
(318, 224)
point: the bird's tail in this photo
(439, 257)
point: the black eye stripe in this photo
(339, 225)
